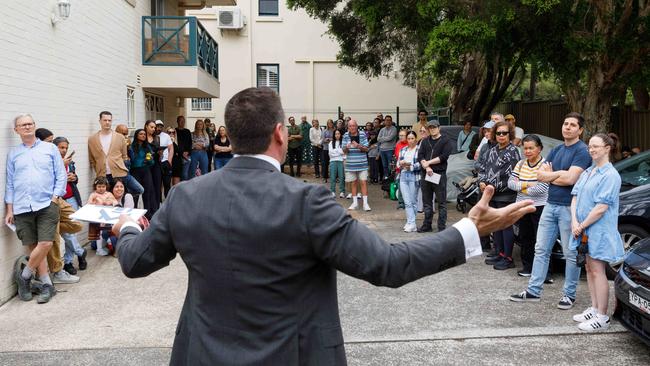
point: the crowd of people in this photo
(575, 189)
(125, 171)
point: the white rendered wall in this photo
(65, 75)
(311, 82)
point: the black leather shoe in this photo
(82, 261)
(425, 229)
(68, 267)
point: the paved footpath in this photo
(458, 317)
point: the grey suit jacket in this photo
(262, 250)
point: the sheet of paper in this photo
(433, 178)
(12, 227)
(105, 214)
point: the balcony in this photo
(180, 58)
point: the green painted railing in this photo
(178, 41)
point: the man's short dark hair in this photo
(423, 111)
(105, 113)
(43, 133)
(388, 116)
(251, 116)
(578, 116)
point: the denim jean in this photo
(133, 186)
(185, 172)
(336, 170)
(386, 158)
(408, 186)
(200, 160)
(555, 220)
(220, 162)
(72, 246)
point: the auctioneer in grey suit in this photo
(262, 250)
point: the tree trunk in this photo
(641, 98)
(532, 89)
(470, 83)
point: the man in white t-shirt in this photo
(519, 132)
(166, 156)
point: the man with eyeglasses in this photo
(564, 165)
(36, 178)
(433, 155)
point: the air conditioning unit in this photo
(229, 17)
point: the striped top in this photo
(356, 160)
(523, 180)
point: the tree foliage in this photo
(595, 50)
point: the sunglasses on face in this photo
(502, 133)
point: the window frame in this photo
(201, 103)
(257, 78)
(259, 9)
(130, 107)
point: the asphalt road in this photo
(458, 317)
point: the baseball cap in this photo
(433, 123)
(159, 122)
(488, 124)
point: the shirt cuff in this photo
(130, 224)
(470, 236)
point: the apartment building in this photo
(263, 43)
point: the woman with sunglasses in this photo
(500, 160)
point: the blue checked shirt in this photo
(34, 175)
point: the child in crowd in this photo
(336, 155)
(100, 196)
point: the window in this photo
(130, 106)
(201, 104)
(268, 8)
(268, 75)
(154, 107)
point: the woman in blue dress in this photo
(594, 214)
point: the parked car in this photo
(632, 291)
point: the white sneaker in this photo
(366, 207)
(413, 229)
(102, 252)
(353, 206)
(358, 195)
(64, 277)
(333, 194)
(342, 195)
(595, 324)
(588, 314)
(349, 196)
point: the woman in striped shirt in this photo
(523, 180)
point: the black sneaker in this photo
(47, 292)
(68, 267)
(566, 303)
(494, 260)
(82, 261)
(524, 296)
(492, 253)
(549, 280)
(24, 286)
(523, 273)
(504, 264)
(425, 229)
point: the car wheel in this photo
(630, 234)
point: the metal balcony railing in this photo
(178, 41)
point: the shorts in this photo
(352, 176)
(34, 227)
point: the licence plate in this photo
(639, 302)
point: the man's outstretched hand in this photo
(488, 219)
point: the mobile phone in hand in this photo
(71, 154)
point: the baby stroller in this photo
(468, 193)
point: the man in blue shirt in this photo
(564, 165)
(36, 177)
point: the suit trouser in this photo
(295, 157)
(325, 163)
(440, 191)
(66, 225)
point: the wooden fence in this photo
(546, 118)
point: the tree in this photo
(597, 50)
